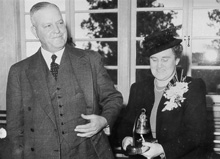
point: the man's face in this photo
(49, 27)
(163, 64)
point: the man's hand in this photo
(96, 124)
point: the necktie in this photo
(54, 67)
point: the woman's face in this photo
(163, 64)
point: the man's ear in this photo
(177, 61)
(34, 31)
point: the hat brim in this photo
(160, 48)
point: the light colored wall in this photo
(8, 43)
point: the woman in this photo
(175, 105)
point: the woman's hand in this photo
(127, 141)
(154, 150)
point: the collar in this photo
(47, 56)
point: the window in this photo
(116, 28)
(205, 43)
(95, 27)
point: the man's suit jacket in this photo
(83, 85)
(181, 131)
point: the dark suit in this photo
(42, 113)
(181, 131)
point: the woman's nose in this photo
(159, 63)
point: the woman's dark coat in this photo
(181, 131)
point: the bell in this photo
(142, 126)
(141, 131)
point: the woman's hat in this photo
(160, 41)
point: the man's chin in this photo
(60, 44)
(56, 48)
(59, 41)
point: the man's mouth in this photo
(59, 36)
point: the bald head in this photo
(39, 6)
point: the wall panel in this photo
(8, 43)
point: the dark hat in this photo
(160, 41)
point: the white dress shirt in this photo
(47, 56)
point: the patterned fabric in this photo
(81, 79)
(54, 67)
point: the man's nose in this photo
(56, 29)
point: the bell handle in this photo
(135, 123)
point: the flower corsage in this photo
(174, 93)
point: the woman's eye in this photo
(165, 59)
(153, 59)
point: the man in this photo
(59, 108)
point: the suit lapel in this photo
(37, 77)
(66, 76)
(82, 69)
